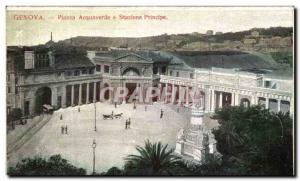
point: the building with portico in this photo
(69, 76)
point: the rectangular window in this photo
(163, 70)
(267, 84)
(77, 73)
(84, 72)
(177, 74)
(69, 73)
(8, 89)
(274, 85)
(8, 77)
(91, 71)
(171, 73)
(155, 70)
(98, 68)
(8, 109)
(259, 82)
(29, 59)
(26, 108)
(191, 75)
(106, 69)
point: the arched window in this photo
(131, 72)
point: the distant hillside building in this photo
(209, 32)
(249, 41)
(255, 34)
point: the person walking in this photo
(61, 117)
(161, 113)
(66, 129)
(78, 109)
(128, 124)
(115, 104)
(145, 108)
(62, 130)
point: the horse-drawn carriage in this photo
(112, 116)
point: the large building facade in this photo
(68, 76)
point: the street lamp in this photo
(95, 127)
(94, 146)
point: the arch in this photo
(131, 71)
(42, 96)
(245, 102)
(107, 92)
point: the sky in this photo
(22, 31)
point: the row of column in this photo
(214, 99)
(64, 101)
(170, 90)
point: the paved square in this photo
(114, 143)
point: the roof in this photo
(67, 61)
(225, 59)
(281, 73)
(135, 55)
(112, 55)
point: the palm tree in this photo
(153, 159)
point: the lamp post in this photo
(94, 146)
(95, 127)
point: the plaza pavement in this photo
(114, 143)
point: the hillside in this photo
(166, 41)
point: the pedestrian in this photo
(161, 113)
(78, 109)
(66, 129)
(62, 130)
(115, 104)
(112, 113)
(61, 117)
(134, 106)
(128, 124)
(145, 108)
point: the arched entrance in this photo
(245, 102)
(131, 88)
(42, 96)
(107, 92)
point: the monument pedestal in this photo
(195, 141)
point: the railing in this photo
(54, 79)
(189, 81)
(127, 77)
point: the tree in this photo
(113, 171)
(154, 159)
(37, 166)
(255, 141)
